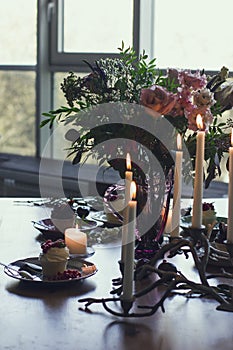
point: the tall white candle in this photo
(128, 278)
(177, 189)
(128, 180)
(230, 194)
(198, 180)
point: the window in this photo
(17, 76)
(83, 32)
(52, 37)
(95, 31)
(87, 35)
(17, 101)
(194, 36)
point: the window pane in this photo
(17, 102)
(18, 32)
(97, 26)
(193, 34)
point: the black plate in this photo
(17, 266)
(49, 231)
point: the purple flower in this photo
(207, 206)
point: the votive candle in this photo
(76, 241)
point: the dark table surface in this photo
(48, 317)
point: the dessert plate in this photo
(101, 216)
(187, 220)
(49, 231)
(89, 252)
(29, 270)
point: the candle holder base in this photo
(126, 305)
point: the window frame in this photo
(74, 60)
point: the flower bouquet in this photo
(127, 105)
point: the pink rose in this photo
(206, 114)
(158, 99)
(203, 98)
(194, 80)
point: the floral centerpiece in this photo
(179, 95)
(130, 100)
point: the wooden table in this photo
(38, 318)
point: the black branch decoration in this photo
(173, 281)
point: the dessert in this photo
(63, 216)
(54, 257)
(208, 214)
(86, 270)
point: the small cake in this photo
(54, 257)
(114, 208)
(208, 214)
(63, 217)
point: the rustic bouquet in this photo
(177, 95)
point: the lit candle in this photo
(198, 181)
(177, 189)
(128, 180)
(168, 227)
(76, 241)
(128, 277)
(230, 194)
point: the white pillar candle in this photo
(230, 195)
(177, 190)
(128, 278)
(76, 241)
(128, 180)
(198, 180)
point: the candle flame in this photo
(133, 190)
(199, 122)
(232, 137)
(128, 161)
(179, 142)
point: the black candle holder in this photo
(171, 279)
(228, 306)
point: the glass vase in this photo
(153, 206)
(153, 200)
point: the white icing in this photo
(55, 254)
